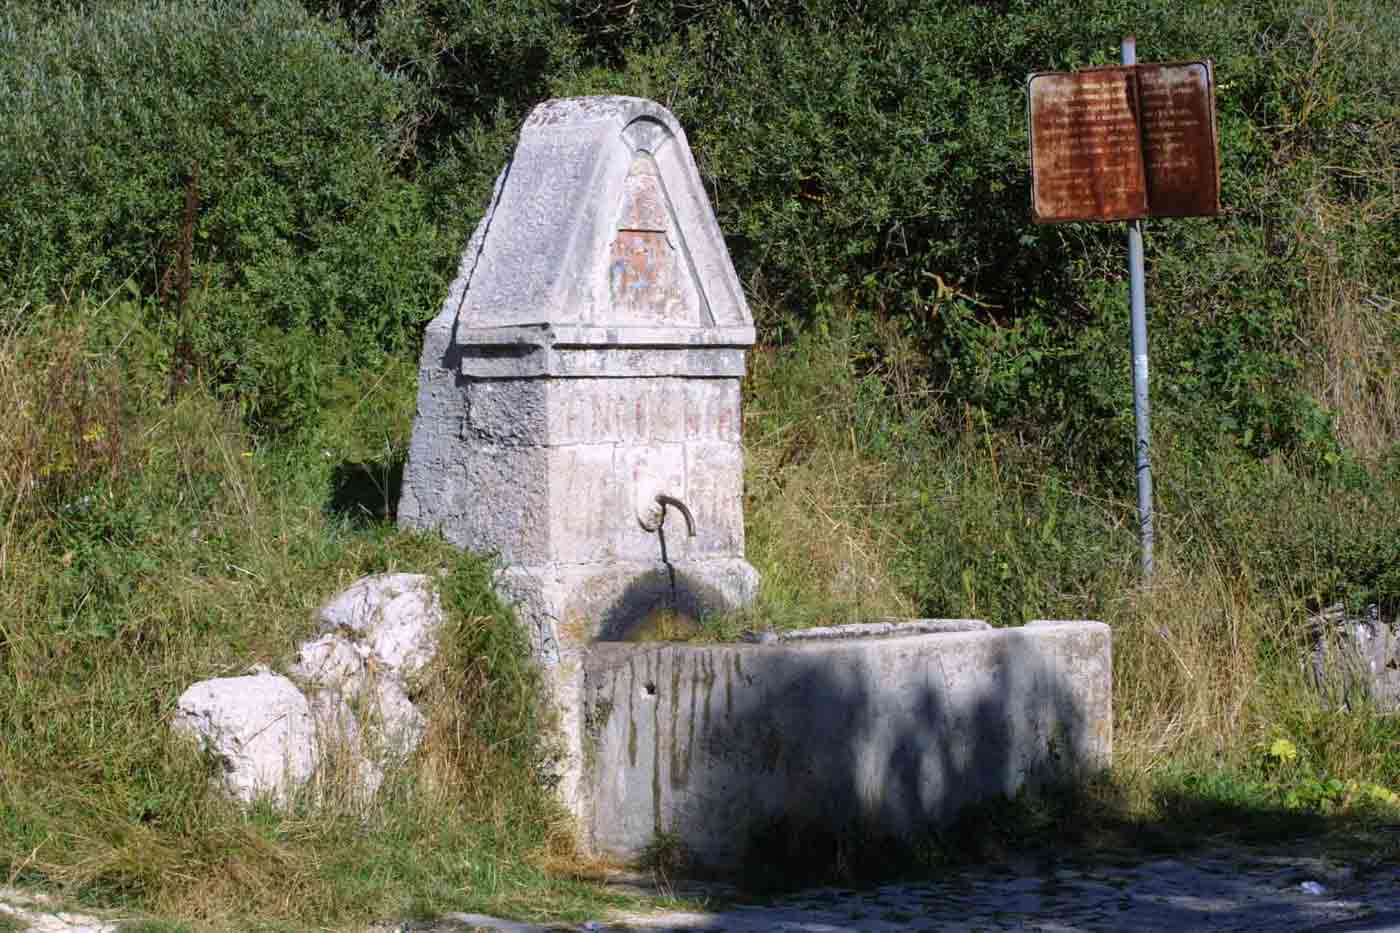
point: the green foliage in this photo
(980, 547)
(1295, 779)
(303, 255)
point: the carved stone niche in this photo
(587, 361)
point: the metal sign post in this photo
(1137, 284)
(1126, 143)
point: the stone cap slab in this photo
(534, 350)
(884, 628)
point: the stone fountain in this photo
(579, 418)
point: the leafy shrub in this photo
(233, 161)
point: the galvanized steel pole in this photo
(1137, 280)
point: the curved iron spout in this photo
(664, 500)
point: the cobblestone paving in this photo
(1227, 891)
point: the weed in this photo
(667, 857)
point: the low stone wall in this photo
(882, 732)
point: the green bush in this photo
(234, 162)
(874, 155)
(871, 155)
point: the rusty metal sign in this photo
(1179, 147)
(1124, 143)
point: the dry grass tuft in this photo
(1186, 678)
(1354, 321)
(66, 424)
(810, 540)
(816, 502)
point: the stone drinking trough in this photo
(880, 730)
(579, 387)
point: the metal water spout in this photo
(664, 500)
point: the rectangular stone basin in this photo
(884, 729)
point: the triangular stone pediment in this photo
(601, 224)
(650, 279)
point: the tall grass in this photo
(819, 511)
(1353, 309)
(148, 541)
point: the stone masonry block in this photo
(501, 503)
(669, 410)
(715, 492)
(550, 244)
(506, 412)
(713, 411)
(643, 473)
(434, 452)
(567, 608)
(642, 411)
(586, 503)
(595, 411)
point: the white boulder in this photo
(272, 740)
(341, 746)
(344, 672)
(331, 662)
(395, 615)
(376, 635)
(399, 724)
(259, 728)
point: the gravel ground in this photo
(1235, 891)
(1228, 890)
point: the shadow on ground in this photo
(1094, 820)
(367, 492)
